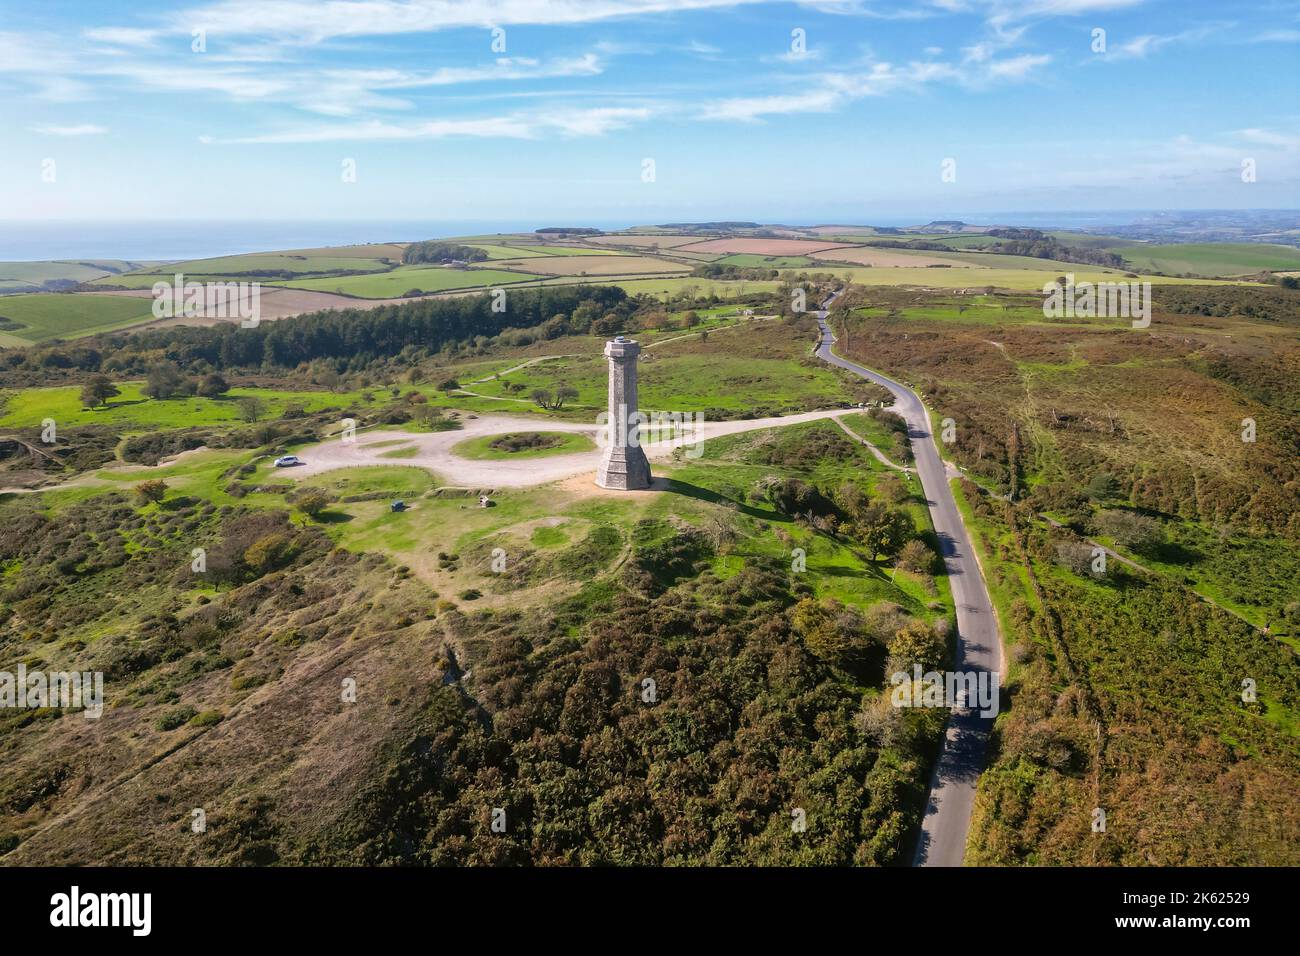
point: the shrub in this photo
(312, 502)
(175, 718)
(1133, 531)
(151, 491)
(917, 556)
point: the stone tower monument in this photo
(624, 465)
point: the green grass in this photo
(146, 280)
(397, 480)
(504, 252)
(1019, 279)
(751, 261)
(48, 316)
(409, 451)
(690, 382)
(861, 423)
(479, 448)
(664, 288)
(29, 276)
(548, 536)
(968, 242)
(1210, 258)
(345, 258)
(400, 281)
(729, 469)
(132, 411)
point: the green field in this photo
(673, 287)
(568, 443)
(146, 280)
(751, 261)
(32, 276)
(1210, 258)
(506, 252)
(267, 264)
(400, 281)
(47, 316)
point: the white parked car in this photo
(286, 461)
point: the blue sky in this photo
(134, 123)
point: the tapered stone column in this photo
(624, 465)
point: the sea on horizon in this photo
(176, 240)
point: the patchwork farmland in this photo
(112, 295)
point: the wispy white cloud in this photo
(1267, 137)
(592, 122)
(827, 92)
(1148, 43)
(329, 91)
(1277, 36)
(794, 58)
(84, 129)
(123, 36)
(307, 21)
(1017, 67)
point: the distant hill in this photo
(713, 226)
(57, 275)
(569, 231)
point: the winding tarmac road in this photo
(947, 817)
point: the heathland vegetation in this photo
(1159, 684)
(679, 677)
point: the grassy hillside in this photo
(39, 276)
(40, 317)
(1210, 258)
(409, 279)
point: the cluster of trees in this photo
(349, 339)
(162, 380)
(545, 398)
(550, 232)
(718, 270)
(880, 528)
(431, 251)
(1020, 242)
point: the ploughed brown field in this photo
(867, 256)
(645, 242)
(762, 247)
(275, 303)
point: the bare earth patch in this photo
(869, 256)
(276, 303)
(646, 242)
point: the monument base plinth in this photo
(624, 469)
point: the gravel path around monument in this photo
(433, 450)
